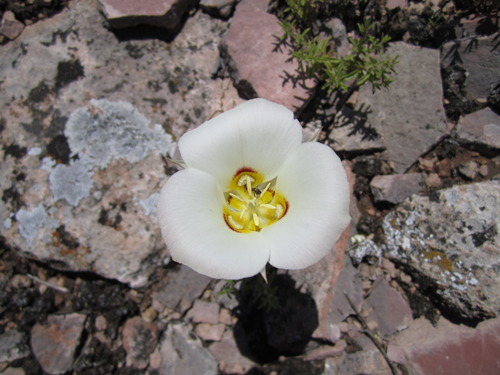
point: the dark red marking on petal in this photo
(227, 223)
(243, 170)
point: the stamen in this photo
(265, 189)
(234, 223)
(265, 205)
(279, 211)
(243, 212)
(232, 195)
(256, 220)
(249, 187)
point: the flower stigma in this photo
(251, 203)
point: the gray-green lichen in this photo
(31, 221)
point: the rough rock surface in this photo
(480, 57)
(448, 349)
(139, 341)
(161, 13)
(396, 188)
(183, 354)
(450, 242)
(258, 66)
(480, 131)
(412, 124)
(64, 204)
(12, 346)
(9, 26)
(55, 343)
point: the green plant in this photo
(317, 58)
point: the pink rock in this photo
(393, 4)
(257, 66)
(448, 349)
(205, 312)
(210, 332)
(161, 13)
(396, 188)
(10, 27)
(390, 311)
(139, 341)
(227, 351)
(54, 343)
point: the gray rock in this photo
(89, 115)
(218, 8)
(9, 26)
(480, 57)
(227, 352)
(180, 289)
(480, 131)
(13, 346)
(161, 13)
(353, 135)
(450, 242)
(396, 188)
(183, 354)
(55, 343)
(390, 310)
(258, 67)
(410, 125)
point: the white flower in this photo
(252, 193)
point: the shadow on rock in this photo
(274, 319)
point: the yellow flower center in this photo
(251, 202)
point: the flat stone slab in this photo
(480, 131)
(480, 57)
(451, 243)
(86, 124)
(258, 67)
(396, 188)
(162, 13)
(448, 349)
(409, 115)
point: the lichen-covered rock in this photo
(85, 127)
(449, 243)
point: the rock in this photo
(226, 351)
(13, 346)
(353, 135)
(84, 197)
(13, 371)
(363, 250)
(480, 57)
(184, 354)
(448, 349)
(180, 289)
(411, 125)
(210, 332)
(9, 26)
(469, 169)
(205, 312)
(54, 344)
(394, 189)
(250, 44)
(367, 360)
(480, 131)
(449, 242)
(160, 13)
(390, 310)
(218, 8)
(139, 341)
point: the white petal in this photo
(315, 185)
(192, 224)
(257, 134)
